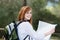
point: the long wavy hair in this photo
(22, 12)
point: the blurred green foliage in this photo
(9, 10)
(41, 13)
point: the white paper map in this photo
(44, 27)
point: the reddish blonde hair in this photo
(22, 12)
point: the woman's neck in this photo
(25, 20)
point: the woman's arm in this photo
(33, 33)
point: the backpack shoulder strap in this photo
(26, 37)
(10, 28)
(15, 26)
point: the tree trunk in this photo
(24, 2)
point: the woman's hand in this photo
(50, 32)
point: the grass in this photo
(1, 39)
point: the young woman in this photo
(25, 28)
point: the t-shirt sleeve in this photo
(33, 33)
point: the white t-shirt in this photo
(25, 28)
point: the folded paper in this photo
(44, 27)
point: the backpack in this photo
(11, 31)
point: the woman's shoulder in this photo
(24, 23)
